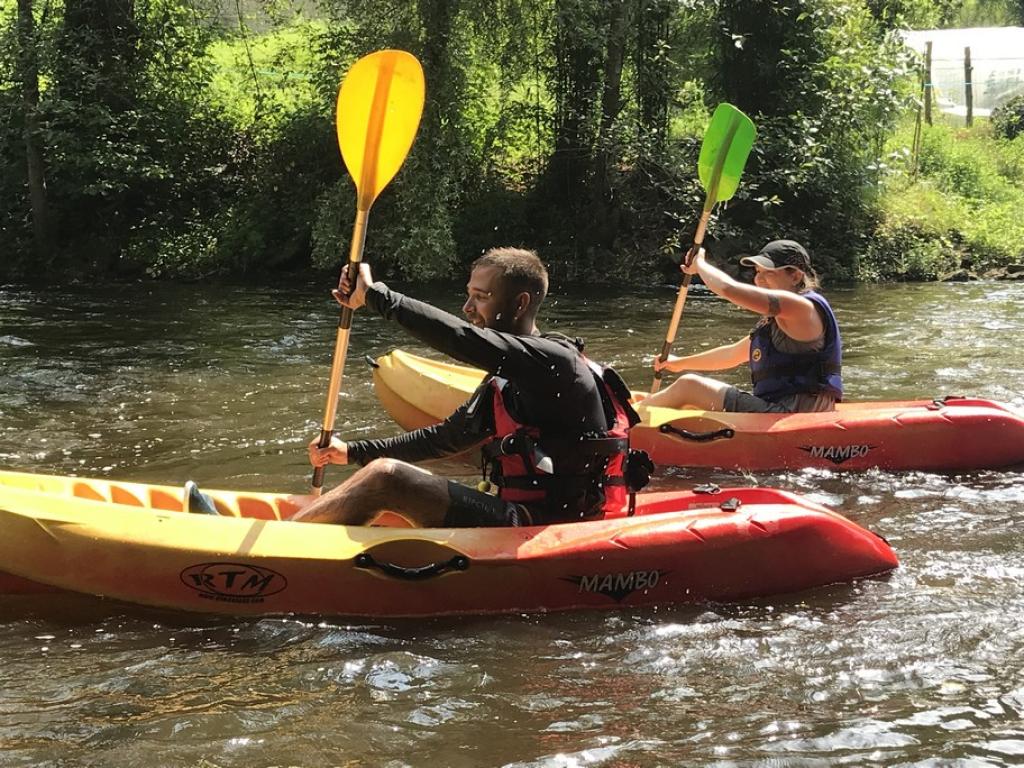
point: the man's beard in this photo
(504, 321)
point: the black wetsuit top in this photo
(550, 383)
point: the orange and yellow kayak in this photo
(940, 435)
(133, 542)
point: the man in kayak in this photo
(794, 350)
(552, 425)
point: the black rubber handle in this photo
(457, 563)
(318, 472)
(698, 437)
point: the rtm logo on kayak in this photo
(617, 586)
(837, 454)
(233, 582)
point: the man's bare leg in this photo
(383, 485)
(690, 391)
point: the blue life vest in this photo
(778, 374)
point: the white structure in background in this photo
(997, 56)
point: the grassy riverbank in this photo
(960, 209)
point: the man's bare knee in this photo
(382, 467)
(392, 474)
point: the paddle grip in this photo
(318, 472)
(666, 349)
(345, 321)
(351, 271)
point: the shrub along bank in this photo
(958, 215)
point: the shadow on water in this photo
(66, 611)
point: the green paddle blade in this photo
(727, 142)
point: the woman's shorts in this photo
(738, 401)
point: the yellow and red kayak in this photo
(132, 542)
(940, 435)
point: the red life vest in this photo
(565, 477)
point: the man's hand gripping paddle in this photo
(379, 108)
(727, 143)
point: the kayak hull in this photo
(944, 435)
(680, 547)
(938, 436)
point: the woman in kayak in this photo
(794, 351)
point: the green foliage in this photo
(903, 250)
(265, 77)
(1008, 118)
(963, 210)
(275, 177)
(133, 153)
(165, 250)
(964, 166)
(15, 226)
(1008, 157)
(174, 147)
(913, 239)
(914, 14)
(929, 14)
(824, 86)
(985, 13)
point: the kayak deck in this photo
(252, 504)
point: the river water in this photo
(226, 385)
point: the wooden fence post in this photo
(968, 85)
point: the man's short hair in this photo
(521, 270)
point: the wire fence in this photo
(969, 72)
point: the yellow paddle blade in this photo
(379, 108)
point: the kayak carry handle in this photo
(698, 437)
(457, 563)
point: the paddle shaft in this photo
(341, 346)
(698, 240)
(677, 311)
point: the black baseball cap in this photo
(780, 253)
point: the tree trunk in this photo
(611, 101)
(439, 185)
(652, 70)
(36, 168)
(437, 18)
(611, 98)
(579, 53)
